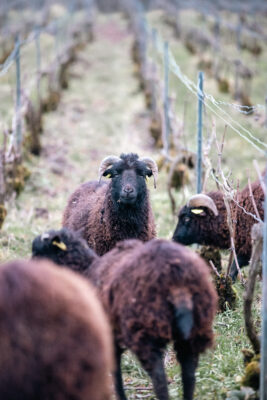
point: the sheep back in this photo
(245, 222)
(55, 341)
(217, 230)
(83, 206)
(140, 284)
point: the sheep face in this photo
(189, 227)
(128, 180)
(64, 247)
(203, 220)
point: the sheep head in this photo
(64, 247)
(128, 174)
(201, 222)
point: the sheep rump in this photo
(244, 222)
(155, 277)
(55, 341)
(155, 293)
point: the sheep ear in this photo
(197, 211)
(107, 173)
(105, 164)
(152, 166)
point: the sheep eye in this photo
(187, 219)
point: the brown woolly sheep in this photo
(55, 342)
(107, 213)
(203, 220)
(154, 293)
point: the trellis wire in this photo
(159, 45)
(234, 200)
(199, 131)
(193, 89)
(31, 37)
(238, 107)
(263, 373)
(15, 57)
(232, 123)
(50, 28)
(186, 81)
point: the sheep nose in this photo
(128, 189)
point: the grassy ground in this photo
(103, 113)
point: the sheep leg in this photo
(154, 366)
(120, 393)
(188, 362)
(233, 271)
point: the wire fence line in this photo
(243, 109)
(68, 32)
(50, 28)
(158, 48)
(245, 38)
(232, 197)
(192, 87)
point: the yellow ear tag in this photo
(196, 210)
(61, 245)
(108, 175)
(147, 178)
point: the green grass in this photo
(103, 113)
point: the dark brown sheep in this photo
(107, 213)
(204, 220)
(55, 342)
(154, 293)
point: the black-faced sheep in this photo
(203, 220)
(55, 342)
(108, 213)
(154, 293)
